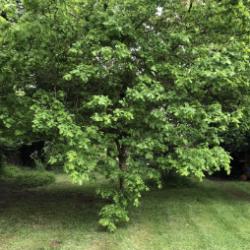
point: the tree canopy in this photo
(125, 89)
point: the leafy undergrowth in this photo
(213, 215)
(17, 177)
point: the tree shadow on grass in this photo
(194, 191)
(63, 207)
(74, 207)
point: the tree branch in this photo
(190, 5)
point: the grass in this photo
(19, 178)
(213, 215)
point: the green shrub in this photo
(23, 177)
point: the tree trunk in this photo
(122, 161)
(1, 156)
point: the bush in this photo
(22, 177)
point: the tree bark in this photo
(122, 161)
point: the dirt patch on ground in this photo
(239, 194)
(234, 192)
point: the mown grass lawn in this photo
(213, 215)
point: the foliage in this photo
(236, 137)
(126, 89)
